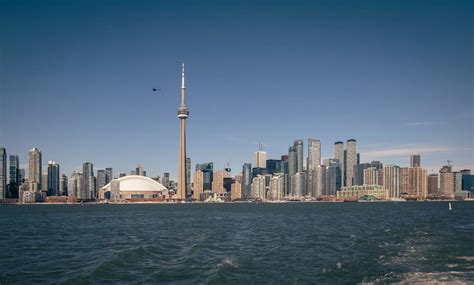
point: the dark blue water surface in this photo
(237, 243)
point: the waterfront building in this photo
(101, 179)
(258, 187)
(188, 177)
(298, 182)
(298, 145)
(136, 188)
(63, 185)
(359, 173)
(372, 176)
(246, 180)
(21, 176)
(292, 167)
(457, 181)
(88, 180)
(277, 188)
(44, 182)
(198, 184)
(414, 182)
(34, 169)
(351, 161)
(14, 167)
(218, 182)
(75, 186)
(333, 176)
(3, 173)
(339, 155)
(319, 174)
(433, 189)
(391, 181)
(446, 181)
(314, 159)
(109, 175)
(415, 160)
(467, 180)
(236, 191)
(260, 158)
(207, 170)
(53, 178)
(183, 114)
(359, 191)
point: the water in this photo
(238, 243)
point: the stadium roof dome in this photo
(137, 183)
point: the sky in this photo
(76, 79)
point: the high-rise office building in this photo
(236, 191)
(63, 185)
(467, 180)
(44, 181)
(314, 159)
(333, 176)
(188, 177)
(246, 180)
(88, 180)
(359, 173)
(391, 181)
(183, 114)
(292, 166)
(166, 180)
(415, 160)
(21, 176)
(198, 184)
(3, 173)
(351, 161)
(35, 169)
(273, 165)
(14, 168)
(260, 157)
(298, 145)
(109, 175)
(339, 155)
(208, 172)
(433, 185)
(53, 178)
(319, 181)
(101, 179)
(414, 182)
(446, 181)
(298, 183)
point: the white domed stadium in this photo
(134, 188)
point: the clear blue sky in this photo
(76, 79)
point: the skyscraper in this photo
(372, 176)
(3, 173)
(339, 155)
(415, 160)
(218, 182)
(75, 186)
(333, 176)
(314, 159)
(183, 114)
(34, 169)
(101, 179)
(246, 180)
(276, 192)
(433, 184)
(273, 165)
(208, 172)
(14, 183)
(258, 187)
(298, 183)
(53, 178)
(140, 170)
(351, 161)
(260, 159)
(391, 181)
(414, 182)
(292, 166)
(88, 180)
(109, 175)
(446, 181)
(319, 181)
(166, 179)
(188, 177)
(63, 185)
(198, 184)
(298, 145)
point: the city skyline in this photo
(89, 104)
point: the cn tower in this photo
(183, 114)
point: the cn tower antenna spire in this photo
(183, 114)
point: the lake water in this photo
(237, 243)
